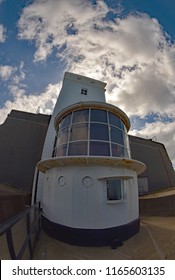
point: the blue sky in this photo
(130, 44)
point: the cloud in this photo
(132, 53)
(163, 132)
(44, 103)
(5, 72)
(2, 33)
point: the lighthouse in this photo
(87, 181)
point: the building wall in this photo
(159, 206)
(21, 142)
(159, 173)
(88, 207)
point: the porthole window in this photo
(61, 181)
(87, 181)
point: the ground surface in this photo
(155, 241)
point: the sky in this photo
(129, 44)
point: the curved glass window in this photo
(116, 135)
(61, 150)
(92, 132)
(98, 116)
(77, 148)
(99, 131)
(80, 116)
(65, 121)
(62, 136)
(115, 120)
(99, 148)
(79, 132)
(117, 150)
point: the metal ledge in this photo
(132, 164)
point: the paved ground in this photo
(156, 240)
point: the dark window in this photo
(61, 150)
(117, 150)
(77, 148)
(116, 135)
(98, 116)
(80, 116)
(84, 91)
(99, 148)
(99, 131)
(114, 120)
(65, 121)
(114, 189)
(79, 132)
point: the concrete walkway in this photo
(155, 241)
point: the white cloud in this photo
(132, 54)
(31, 103)
(2, 33)
(6, 71)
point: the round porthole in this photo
(87, 181)
(61, 181)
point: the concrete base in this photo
(90, 237)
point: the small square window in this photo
(84, 91)
(115, 189)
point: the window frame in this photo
(93, 127)
(122, 190)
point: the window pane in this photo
(99, 148)
(98, 116)
(116, 135)
(77, 148)
(114, 189)
(81, 116)
(61, 150)
(63, 136)
(65, 121)
(79, 132)
(99, 131)
(114, 120)
(117, 150)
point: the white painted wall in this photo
(77, 206)
(69, 94)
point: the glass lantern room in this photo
(91, 132)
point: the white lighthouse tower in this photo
(90, 192)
